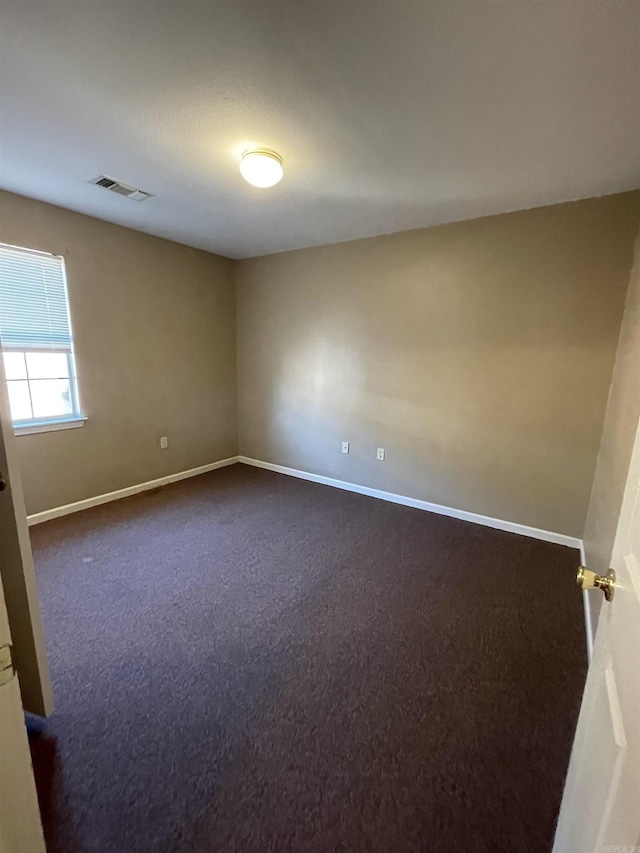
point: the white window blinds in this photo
(34, 312)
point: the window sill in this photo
(48, 426)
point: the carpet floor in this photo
(248, 662)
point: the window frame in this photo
(75, 418)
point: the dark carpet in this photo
(248, 662)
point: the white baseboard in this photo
(416, 503)
(463, 515)
(56, 512)
(486, 521)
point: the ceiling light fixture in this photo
(261, 167)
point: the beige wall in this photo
(478, 354)
(620, 425)
(154, 330)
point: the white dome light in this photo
(261, 167)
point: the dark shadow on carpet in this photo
(248, 662)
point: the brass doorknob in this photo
(587, 579)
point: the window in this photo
(37, 346)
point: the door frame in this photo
(18, 574)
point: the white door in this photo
(600, 810)
(20, 827)
(18, 575)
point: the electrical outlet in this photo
(380, 454)
(164, 442)
(345, 446)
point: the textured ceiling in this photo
(390, 114)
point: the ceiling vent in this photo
(120, 188)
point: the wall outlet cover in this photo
(380, 454)
(345, 446)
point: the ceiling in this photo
(389, 114)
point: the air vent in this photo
(107, 183)
(120, 188)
